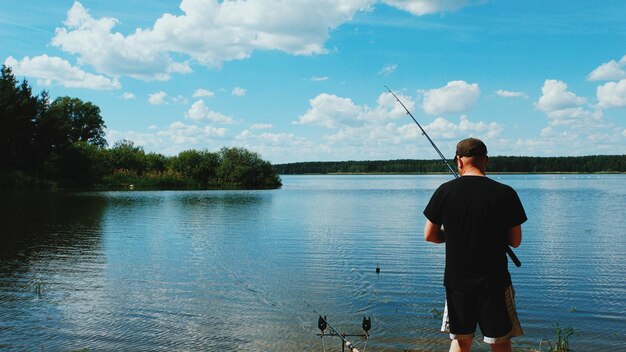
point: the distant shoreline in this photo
(447, 173)
(497, 164)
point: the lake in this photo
(243, 270)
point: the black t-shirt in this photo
(475, 212)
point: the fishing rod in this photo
(509, 251)
(322, 323)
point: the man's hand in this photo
(433, 232)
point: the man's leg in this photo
(502, 347)
(461, 345)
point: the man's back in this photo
(475, 212)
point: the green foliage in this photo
(81, 165)
(562, 339)
(126, 156)
(583, 164)
(19, 110)
(46, 143)
(129, 179)
(83, 119)
(200, 166)
(240, 168)
(230, 168)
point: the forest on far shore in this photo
(497, 164)
(60, 144)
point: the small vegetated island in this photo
(60, 144)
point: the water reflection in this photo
(52, 258)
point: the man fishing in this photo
(477, 218)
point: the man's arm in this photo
(514, 236)
(433, 232)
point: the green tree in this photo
(241, 168)
(19, 110)
(85, 122)
(81, 165)
(201, 166)
(124, 155)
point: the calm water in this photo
(231, 271)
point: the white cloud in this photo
(238, 92)
(211, 32)
(388, 69)
(199, 112)
(203, 93)
(455, 97)
(179, 99)
(181, 133)
(571, 121)
(54, 69)
(319, 78)
(443, 128)
(146, 140)
(612, 94)
(511, 94)
(555, 97)
(157, 98)
(425, 7)
(279, 147)
(359, 131)
(261, 126)
(609, 71)
(128, 96)
(330, 111)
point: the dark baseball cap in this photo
(471, 147)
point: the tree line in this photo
(518, 164)
(61, 143)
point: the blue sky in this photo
(304, 80)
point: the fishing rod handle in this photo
(350, 347)
(513, 257)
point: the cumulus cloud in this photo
(200, 112)
(612, 94)
(238, 92)
(329, 110)
(146, 140)
(441, 127)
(49, 69)
(181, 133)
(128, 96)
(279, 147)
(609, 71)
(425, 7)
(555, 97)
(261, 126)
(388, 69)
(157, 98)
(511, 94)
(203, 93)
(564, 107)
(211, 32)
(319, 78)
(455, 97)
(384, 129)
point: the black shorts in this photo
(493, 310)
